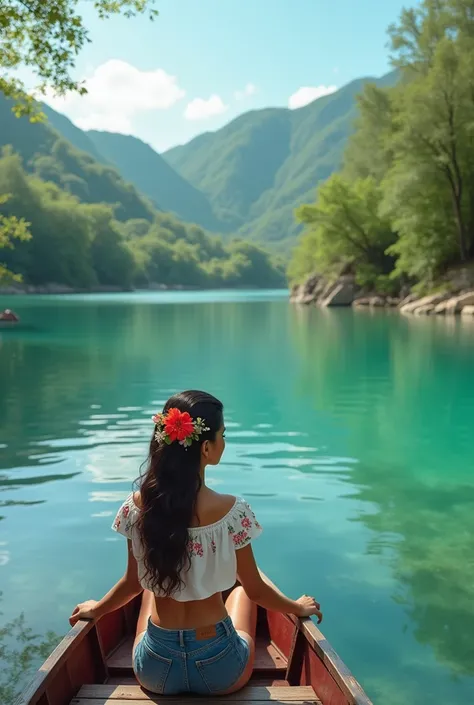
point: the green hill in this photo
(49, 155)
(139, 164)
(263, 164)
(77, 137)
(153, 176)
(90, 229)
(246, 178)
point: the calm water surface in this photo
(351, 435)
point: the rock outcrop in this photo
(317, 290)
(439, 304)
(341, 293)
(309, 291)
(458, 303)
(426, 303)
(344, 292)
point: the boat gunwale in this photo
(342, 676)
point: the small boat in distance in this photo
(8, 318)
(294, 664)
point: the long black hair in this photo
(168, 492)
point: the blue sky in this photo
(203, 62)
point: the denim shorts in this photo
(171, 661)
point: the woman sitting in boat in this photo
(8, 316)
(186, 545)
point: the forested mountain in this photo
(68, 219)
(262, 165)
(47, 154)
(245, 178)
(153, 176)
(82, 246)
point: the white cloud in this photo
(201, 109)
(306, 94)
(117, 91)
(249, 90)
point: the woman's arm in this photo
(264, 594)
(122, 592)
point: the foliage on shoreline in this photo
(401, 209)
(82, 245)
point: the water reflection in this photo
(21, 653)
(404, 390)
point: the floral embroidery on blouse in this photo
(240, 537)
(213, 546)
(195, 549)
(123, 513)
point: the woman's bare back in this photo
(171, 614)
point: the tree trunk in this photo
(460, 226)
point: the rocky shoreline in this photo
(344, 292)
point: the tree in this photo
(112, 260)
(430, 185)
(345, 227)
(375, 126)
(47, 37)
(405, 197)
(11, 228)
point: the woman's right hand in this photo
(308, 607)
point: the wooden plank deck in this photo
(269, 662)
(134, 695)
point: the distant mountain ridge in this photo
(244, 179)
(264, 163)
(153, 176)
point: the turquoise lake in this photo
(350, 433)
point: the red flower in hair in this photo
(178, 425)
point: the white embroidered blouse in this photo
(211, 549)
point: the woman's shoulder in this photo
(225, 502)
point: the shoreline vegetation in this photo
(52, 238)
(344, 292)
(395, 226)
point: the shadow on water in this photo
(21, 653)
(403, 390)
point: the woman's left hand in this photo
(84, 610)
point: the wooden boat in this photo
(8, 318)
(92, 665)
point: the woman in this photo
(186, 545)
